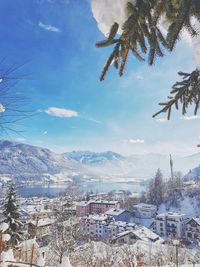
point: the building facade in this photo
(103, 227)
(95, 207)
(170, 225)
(192, 230)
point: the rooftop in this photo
(114, 212)
(42, 222)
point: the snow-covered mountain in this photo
(93, 158)
(26, 162)
(135, 166)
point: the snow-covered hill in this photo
(25, 162)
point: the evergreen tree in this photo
(12, 216)
(159, 185)
(156, 189)
(174, 190)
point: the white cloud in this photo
(45, 132)
(162, 120)
(61, 112)
(48, 27)
(189, 118)
(136, 141)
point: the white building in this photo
(102, 227)
(144, 211)
(170, 224)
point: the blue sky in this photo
(74, 111)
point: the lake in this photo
(56, 189)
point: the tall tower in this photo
(171, 167)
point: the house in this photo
(140, 233)
(192, 229)
(170, 224)
(40, 227)
(120, 214)
(95, 207)
(41, 214)
(144, 211)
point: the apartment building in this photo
(103, 227)
(171, 224)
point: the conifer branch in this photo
(186, 92)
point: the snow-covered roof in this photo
(196, 219)
(104, 202)
(42, 222)
(97, 217)
(171, 215)
(147, 235)
(145, 206)
(96, 201)
(115, 212)
(143, 234)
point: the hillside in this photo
(26, 162)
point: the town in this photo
(55, 229)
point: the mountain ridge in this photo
(26, 162)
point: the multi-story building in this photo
(95, 207)
(192, 229)
(102, 227)
(144, 211)
(170, 224)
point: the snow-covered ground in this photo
(188, 205)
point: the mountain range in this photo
(136, 166)
(25, 162)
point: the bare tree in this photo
(65, 236)
(12, 100)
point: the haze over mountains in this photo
(138, 166)
(26, 162)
